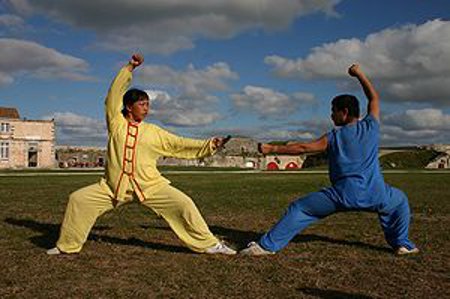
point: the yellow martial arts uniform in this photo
(133, 149)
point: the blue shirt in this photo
(354, 168)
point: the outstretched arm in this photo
(170, 145)
(113, 102)
(296, 148)
(373, 106)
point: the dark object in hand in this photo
(260, 148)
(226, 139)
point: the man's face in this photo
(139, 110)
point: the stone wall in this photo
(80, 156)
(282, 162)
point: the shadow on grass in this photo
(316, 238)
(241, 238)
(50, 233)
(328, 294)
(238, 238)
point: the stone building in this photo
(441, 162)
(80, 156)
(25, 143)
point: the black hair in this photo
(132, 96)
(348, 101)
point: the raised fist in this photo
(136, 60)
(354, 70)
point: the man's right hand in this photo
(373, 105)
(136, 60)
(354, 70)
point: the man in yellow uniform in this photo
(133, 148)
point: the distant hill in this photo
(319, 160)
(412, 158)
(408, 159)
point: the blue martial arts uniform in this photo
(357, 184)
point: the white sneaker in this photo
(54, 251)
(220, 248)
(254, 248)
(405, 251)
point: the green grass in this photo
(133, 253)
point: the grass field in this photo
(133, 254)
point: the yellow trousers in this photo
(88, 203)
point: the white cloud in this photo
(165, 26)
(189, 118)
(19, 57)
(269, 103)
(284, 135)
(317, 126)
(433, 119)
(170, 111)
(186, 98)
(193, 83)
(5, 79)
(75, 129)
(11, 21)
(410, 63)
(425, 126)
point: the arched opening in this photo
(291, 165)
(272, 166)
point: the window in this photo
(4, 150)
(4, 128)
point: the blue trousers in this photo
(393, 213)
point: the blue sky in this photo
(262, 69)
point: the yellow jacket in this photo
(133, 148)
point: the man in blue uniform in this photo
(357, 182)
